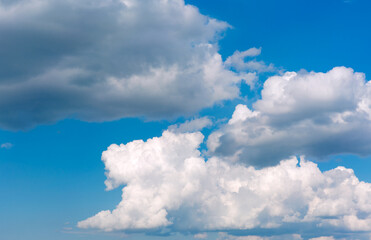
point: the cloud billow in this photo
(248, 179)
(312, 114)
(100, 60)
(169, 184)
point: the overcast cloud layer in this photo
(169, 184)
(312, 114)
(101, 60)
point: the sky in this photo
(171, 119)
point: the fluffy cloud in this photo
(169, 184)
(312, 114)
(100, 60)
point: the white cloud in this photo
(6, 145)
(312, 114)
(169, 184)
(98, 60)
(311, 94)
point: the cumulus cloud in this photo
(312, 114)
(98, 60)
(169, 184)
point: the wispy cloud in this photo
(193, 125)
(245, 60)
(6, 145)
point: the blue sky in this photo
(74, 80)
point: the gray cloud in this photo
(102, 60)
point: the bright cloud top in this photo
(102, 60)
(312, 114)
(169, 184)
